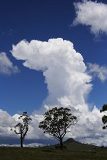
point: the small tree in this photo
(22, 127)
(104, 118)
(57, 121)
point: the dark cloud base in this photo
(12, 141)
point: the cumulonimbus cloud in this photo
(68, 84)
(91, 14)
(63, 68)
(67, 81)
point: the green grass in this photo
(72, 151)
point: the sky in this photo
(53, 53)
(43, 20)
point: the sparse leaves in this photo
(104, 108)
(22, 128)
(104, 118)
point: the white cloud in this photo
(68, 84)
(98, 71)
(6, 66)
(34, 132)
(87, 130)
(63, 69)
(92, 14)
(6, 122)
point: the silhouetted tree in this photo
(57, 121)
(22, 127)
(104, 118)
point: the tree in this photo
(104, 118)
(22, 127)
(56, 122)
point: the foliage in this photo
(104, 118)
(104, 108)
(22, 127)
(57, 121)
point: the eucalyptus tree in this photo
(104, 117)
(22, 127)
(57, 121)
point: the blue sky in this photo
(53, 52)
(42, 20)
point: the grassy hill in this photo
(73, 151)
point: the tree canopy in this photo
(57, 121)
(21, 128)
(104, 118)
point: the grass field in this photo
(72, 151)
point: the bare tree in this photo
(22, 127)
(57, 121)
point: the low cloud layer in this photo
(7, 123)
(68, 84)
(91, 14)
(87, 130)
(6, 66)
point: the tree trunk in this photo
(61, 143)
(21, 141)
